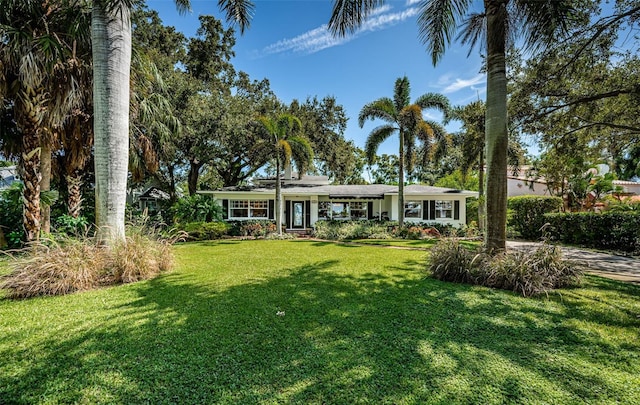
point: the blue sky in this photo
(288, 43)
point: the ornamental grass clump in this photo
(527, 273)
(451, 261)
(70, 265)
(62, 268)
(140, 258)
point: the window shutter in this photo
(370, 210)
(432, 210)
(425, 209)
(287, 210)
(272, 209)
(225, 209)
(456, 210)
(307, 213)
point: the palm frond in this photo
(401, 93)
(435, 101)
(543, 21)
(438, 21)
(284, 147)
(302, 153)
(239, 12)
(382, 108)
(375, 138)
(474, 31)
(349, 15)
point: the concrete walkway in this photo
(599, 263)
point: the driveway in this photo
(599, 263)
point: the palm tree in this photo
(111, 39)
(39, 43)
(472, 144)
(286, 143)
(538, 21)
(405, 119)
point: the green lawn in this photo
(408, 243)
(361, 324)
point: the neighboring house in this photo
(150, 200)
(8, 176)
(312, 198)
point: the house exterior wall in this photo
(375, 207)
(516, 187)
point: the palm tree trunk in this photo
(496, 127)
(278, 198)
(30, 174)
(45, 185)
(111, 39)
(401, 181)
(74, 199)
(482, 209)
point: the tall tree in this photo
(406, 120)
(285, 142)
(111, 38)
(540, 22)
(38, 51)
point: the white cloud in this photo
(320, 38)
(412, 2)
(460, 84)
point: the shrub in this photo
(252, 228)
(196, 208)
(527, 216)
(206, 230)
(11, 216)
(345, 230)
(611, 230)
(527, 273)
(68, 225)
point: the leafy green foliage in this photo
(526, 273)
(206, 230)
(374, 229)
(196, 208)
(252, 228)
(527, 213)
(11, 215)
(611, 230)
(68, 225)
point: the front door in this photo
(297, 214)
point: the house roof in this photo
(364, 191)
(154, 193)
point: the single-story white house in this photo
(8, 176)
(312, 198)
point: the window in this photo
(324, 208)
(259, 209)
(248, 209)
(358, 210)
(340, 210)
(413, 209)
(444, 209)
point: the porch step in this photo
(299, 232)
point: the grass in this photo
(408, 243)
(361, 325)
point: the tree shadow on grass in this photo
(316, 335)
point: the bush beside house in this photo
(527, 213)
(611, 230)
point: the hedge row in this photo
(608, 230)
(527, 213)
